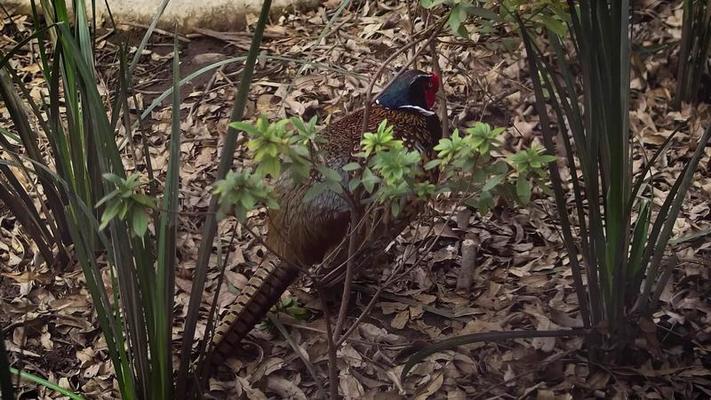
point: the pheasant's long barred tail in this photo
(261, 292)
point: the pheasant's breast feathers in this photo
(343, 137)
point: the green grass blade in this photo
(210, 226)
(210, 67)
(641, 177)
(167, 245)
(30, 142)
(556, 180)
(149, 32)
(678, 193)
(44, 382)
(639, 241)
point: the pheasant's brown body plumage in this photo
(303, 232)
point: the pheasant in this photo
(304, 232)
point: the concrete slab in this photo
(222, 15)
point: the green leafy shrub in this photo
(548, 14)
(385, 171)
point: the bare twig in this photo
(300, 353)
(441, 97)
(332, 370)
(345, 298)
(157, 30)
(205, 344)
(396, 274)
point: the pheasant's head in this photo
(413, 89)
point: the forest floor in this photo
(522, 280)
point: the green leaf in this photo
(115, 193)
(555, 25)
(395, 208)
(369, 180)
(482, 12)
(269, 167)
(334, 186)
(113, 178)
(523, 190)
(109, 214)
(457, 16)
(299, 313)
(139, 222)
(433, 164)
(46, 383)
(247, 127)
(352, 166)
(329, 174)
(143, 200)
(486, 202)
(639, 239)
(353, 184)
(492, 182)
(298, 124)
(11, 136)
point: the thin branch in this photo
(332, 370)
(300, 353)
(441, 96)
(346, 296)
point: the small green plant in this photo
(291, 307)
(127, 203)
(274, 147)
(242, 191)
(530, 165)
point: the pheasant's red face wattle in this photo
(431, 91)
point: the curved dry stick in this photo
(450, 343)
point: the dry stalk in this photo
(441, 97)
(332, 370)
(468, 270)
